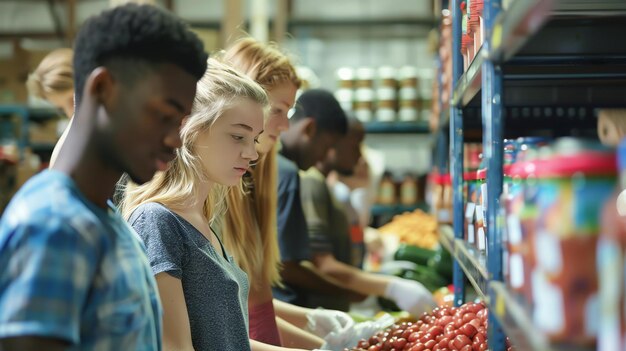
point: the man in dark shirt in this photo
(312, 275)
(317, 123)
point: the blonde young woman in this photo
(203, 291)
(53, 80)
(249, 225)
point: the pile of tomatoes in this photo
(461, 328)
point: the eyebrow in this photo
(245, 126)
(176, 105)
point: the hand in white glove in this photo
(410, 296)
(349, 337)
(321, 322)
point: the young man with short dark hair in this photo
(75, 275)
(316, 124)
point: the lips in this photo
(163, 162)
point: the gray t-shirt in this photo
(216, 289)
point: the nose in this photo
(172, 139)
(249, 152)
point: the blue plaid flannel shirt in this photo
(73, 271)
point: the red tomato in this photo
(414, 337)
(435, 330)
(469, 330)
(430, 344)
(374, 348)
(475, 307)
(479, 338)
(426, 338)
(363, 344)
(399, 343)
(444, 342)
(445, 320)
(476, 323)
(460, 341)
(468, 317)
(466, 348)
(417, 347)
(482, 314)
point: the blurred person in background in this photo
(315, 126)
(330, 237)
(53, 81)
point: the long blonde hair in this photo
(249, 226)
(53, 75)
(219, 90)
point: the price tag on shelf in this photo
(500, 305)
(496, 36)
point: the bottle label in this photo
(548, 312)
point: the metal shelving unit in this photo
(378, 210)
(26, 116)
(397, 128)
(471, 261)
(545, 65)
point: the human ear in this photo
(92, 95)
(309, 128)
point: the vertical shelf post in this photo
(456, 151)
(492, 121)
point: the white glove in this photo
(410, 296)
(349, 337)
(321, 322)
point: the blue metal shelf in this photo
(378, 210)
(513, 27)
(518, 324)
(469, 84)
(42, 147)
(397, 127)
(471, 261)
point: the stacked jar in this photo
(520, 214)
(345, 92)
(386, 94)
(611, 261)
(442, 198)
(569, 185)
(481, 210)
(364, 94)
(471, 162)
(509, 155)
(475, 23)
(409, 96)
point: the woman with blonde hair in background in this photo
(249, 225)
(53, 81)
